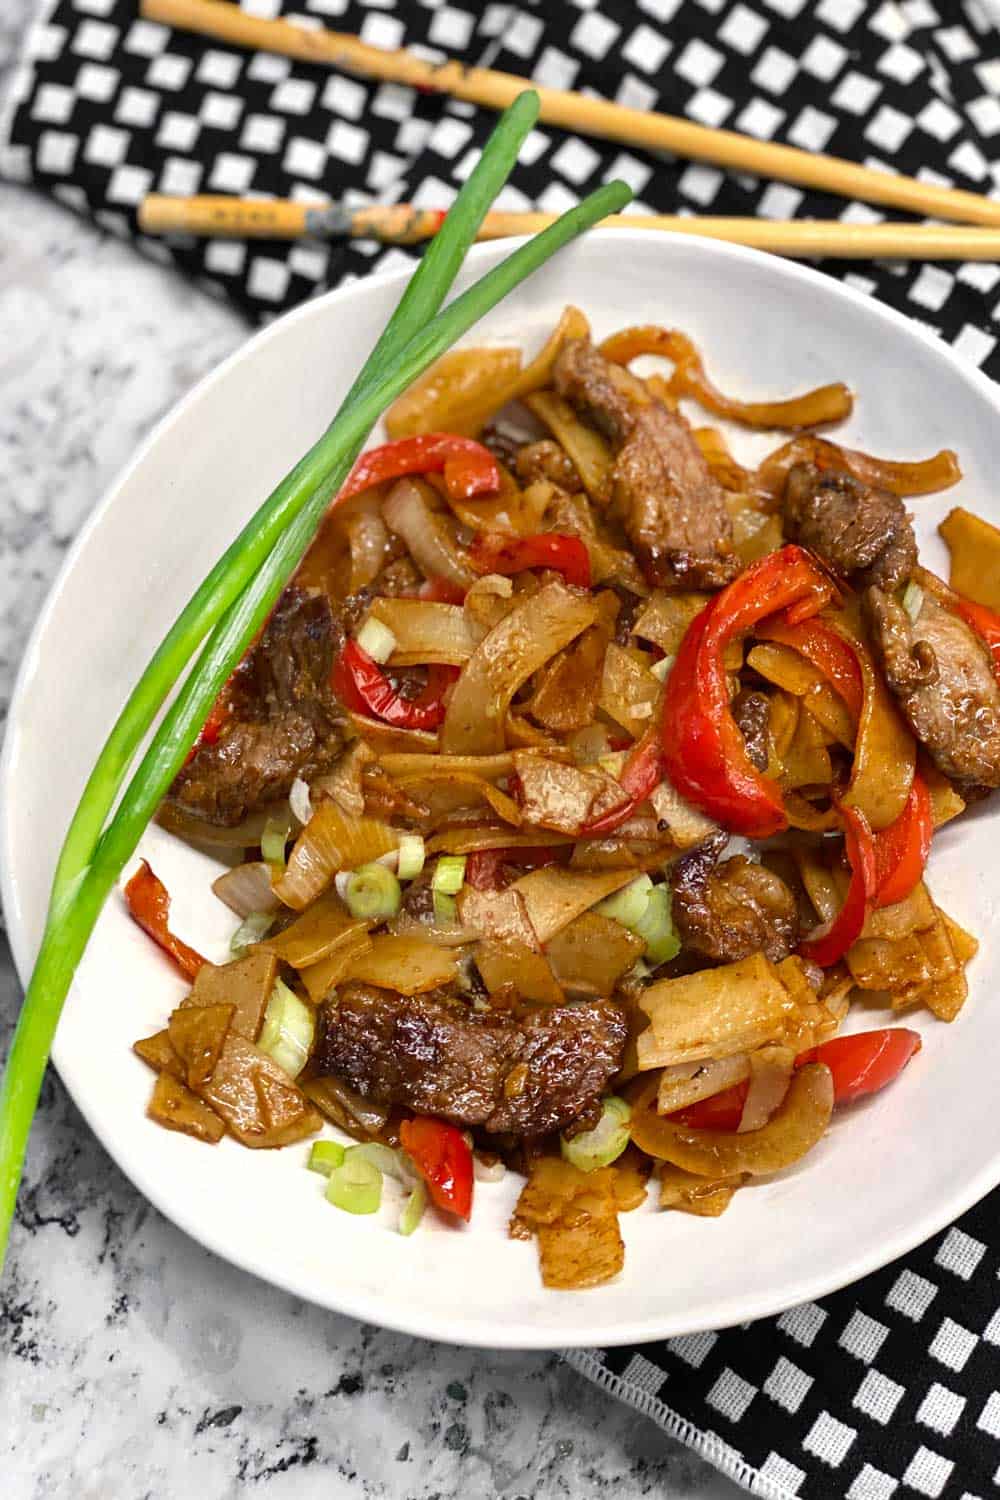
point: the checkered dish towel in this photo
(890, 1385)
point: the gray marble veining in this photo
(132, 1362)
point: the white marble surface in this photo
(132, 1363)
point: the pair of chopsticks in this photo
(403, 224)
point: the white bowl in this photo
(890, 1172)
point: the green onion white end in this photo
(372, 893)
(288, 1030)
(251, 930)
(605, 1143)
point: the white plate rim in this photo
(473, 1332)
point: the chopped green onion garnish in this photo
(628, 905)
(663, 667)
(605, 1143)
(449, 873)
(413, 1209)
(372, 893)
(288, 1030)
(274, 838)
(445, 909)
(325, 1156)
(411, 856)
(254, 927)
(656, 927)
(913, 600)
(356, 1186)
(377, 639)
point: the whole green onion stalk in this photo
(235, 601)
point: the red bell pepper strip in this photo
(901, 850)
(642, 773)
(829, 653)
(484, 867)
(704, 753)
(148, 904)
(469, 468)
(860, 1064)
(722, 1111)
(363, 687)
(831, 941)
(495, 552)
(864, 1063)
(986, 623)
(442, 1156)
(440, 591)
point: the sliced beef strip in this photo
(520, 1072)
(672, 509)
(729, 911)
(863, 533)
(942, 677)
(546, 460)
(285, 719)
(752, 711)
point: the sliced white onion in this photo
(341, 881)
(662, 668)
(377, 639)
(247, 888)
(299, 800)
(493, 1171)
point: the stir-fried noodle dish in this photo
(580, 786)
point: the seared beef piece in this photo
(285, 720)
(751, 711)
(729, 911)
(863, 533)
(546, 460)
(523, 1072)
(942, 677)
(672, 509)
(418, 898)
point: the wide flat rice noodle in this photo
(322, 977)
(690, 1194)
(427, 632)
(504, 962)
(453, 392)
(554, 897)
(523, 641)
(322, 927)
(591, 954)
(793, 1130)
(974, 545)
(410, 965)
(564, 798)
(592, 458)
(502, 915)
(828, 403)
(629, 692)
(714, 1013)
(920, 477)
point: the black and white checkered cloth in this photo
(894, 1384)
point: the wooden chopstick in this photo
(583, 115)
(403, 224)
